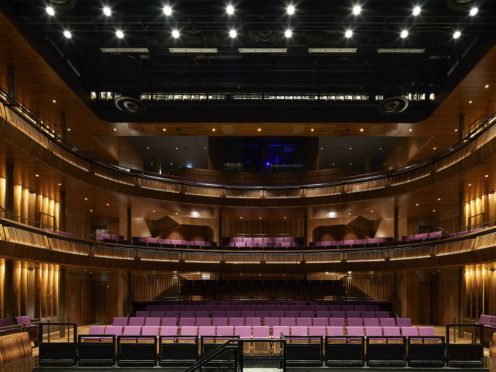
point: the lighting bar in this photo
(125, 50)
(401, 50)
(262, 50)
(193, 50)
(332, 50)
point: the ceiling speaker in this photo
(129, 101)
(393, 102)
(63, 5)
(460, 5)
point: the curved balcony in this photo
(19, 125)
(25, 242)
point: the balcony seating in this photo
(170, 243)
(110, 238)
(263, 242)
(356, 243)
(422, 237)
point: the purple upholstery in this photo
(291, 314)
(387, 322)
(323, 314)
(288, 321)
(253, 322)
(278, 330)
(119, 321)
(153, 321)
(243, 332)
(306, 314)
(382, 314)
(299, 331)
(113, 330)
(219, 321)
(426, 331)
(225, 331)
(142, 313)
(371, 322)
(353, 314)
(271, 322)
(367, 314)
(96, 330)
(339, 331)
(168, 322)
(236, 322)
(187, 321)
(373, 331)
(317, 331)
(202, 322)
(172, 331)
(206, 331)
(352, 331)
(304, 322)
(188, 314)
(261, 332)
(189, 331)
(150, 330)
(404, 322)
(355, 322)
(157, 314)
(202, 314)
(338, 314)
(320, 322)
(136, 321)
(409, 331)
(391, 331)
(131, 331)
(336, 322)
(485, 318)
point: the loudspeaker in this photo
(129, 101)
(393, 102)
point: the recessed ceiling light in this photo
(119, 34)
(371, 211)
(332, 214)
(233, 33)
(433, 211)
(417, 204)
(348, 33)
(167, 10)
(416, 11)
(285, 217)
(349, 213)
(68, 129)
(50, 11)
(115, 129)
(486, 175)
(213, 129)
(91, 210)
(457, 34)
(259, 129)
(291, 9)
(350, 148)
(164, 129)
(321, 149)
(486, 86)
(410, 130)
(404, 34)
(434, 148)
(60, 184)
(85, 199)
(357, 9)
(230, 9)
(148, 147)
(470, 102)
(240, 217)
(456, 129)
(37, 175)
(67, 34)
(154, 211)
(438, 199)
(177, 148)
(107, 11)
(288, 34)
(473, 11)
(260, 217)
(108, 204)
(175, 33)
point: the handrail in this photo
(15, 105)
(232, 344)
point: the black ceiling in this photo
(231, 86)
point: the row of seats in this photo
(337, 322)
(261, 332)
(267, 241)
(157, 242)
(351, 242)
(265, 306)
(488, 320)
(263, 314)
(423, 236)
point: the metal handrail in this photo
(232, 344)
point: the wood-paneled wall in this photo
(32, 207)
(3, 185)
(146, 287)
(479, 290)
(375, 286)
(293, 227)
(190, 232)
(480, 210)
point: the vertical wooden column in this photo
(396, 223)
(61, 216)
(461, 210)
(9, 300)
(129, 223)
(9, 188)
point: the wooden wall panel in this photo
(189, 232)
(3, 185)
(145, 287)
(375, 286)
(292, 227)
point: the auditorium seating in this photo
(170, 243)
(352, 243)
(110, 238)
(263, 242)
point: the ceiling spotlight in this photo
(233, 33)
(416, 11)
(487, 86)
(67, 34)
(357, 9)
(50, 11)
(119, 34)
(361, 130)
(259, 129)
(291, 9)
(213, 129)
(473, 11)
(107, 11)
(457, 34)
(348, 33)
(230, 9)
(404, 34)
(176, 33)
(167, 10)
(288, 33)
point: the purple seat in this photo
(243, 332)
(338, 314)
(426, 331)
(409, 331)
(391, 331)
(188, 314)
(288, 322)
(225, 331)
(188, 331)
(382, 314)
(353, 314)
(233, 314)
(96, 330)
(142, 313)
(305, 322)
(291, 314)
(157, 314)
(253, 321)
(132, 331)
(347, 307)
(317, 331)
(261, 332)
(271, 322)
(278, 330)
(113, 330)
(371, 322)
(306, 314)
(219, 322)
(277, 314)
(119, 321)
(187, 322)
(352, 331)
(320, 322)
(202, 322)
(236, 322)
(218, 314)
(206, 331)
(152, 321)
(262, 314)
(373, 331)
(361, 307)
(404, 322)
(336, 322)
(150, 330)
(299, 331)
(136, 321)
(484, 318)
(247, 313)
(169, 321)
(339, 331)
(172, 331)
(323, 314)
(355, 322)
(202, 314)
(367, 314)
(387, 322)
(172, 314)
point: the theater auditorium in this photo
(248, 185)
